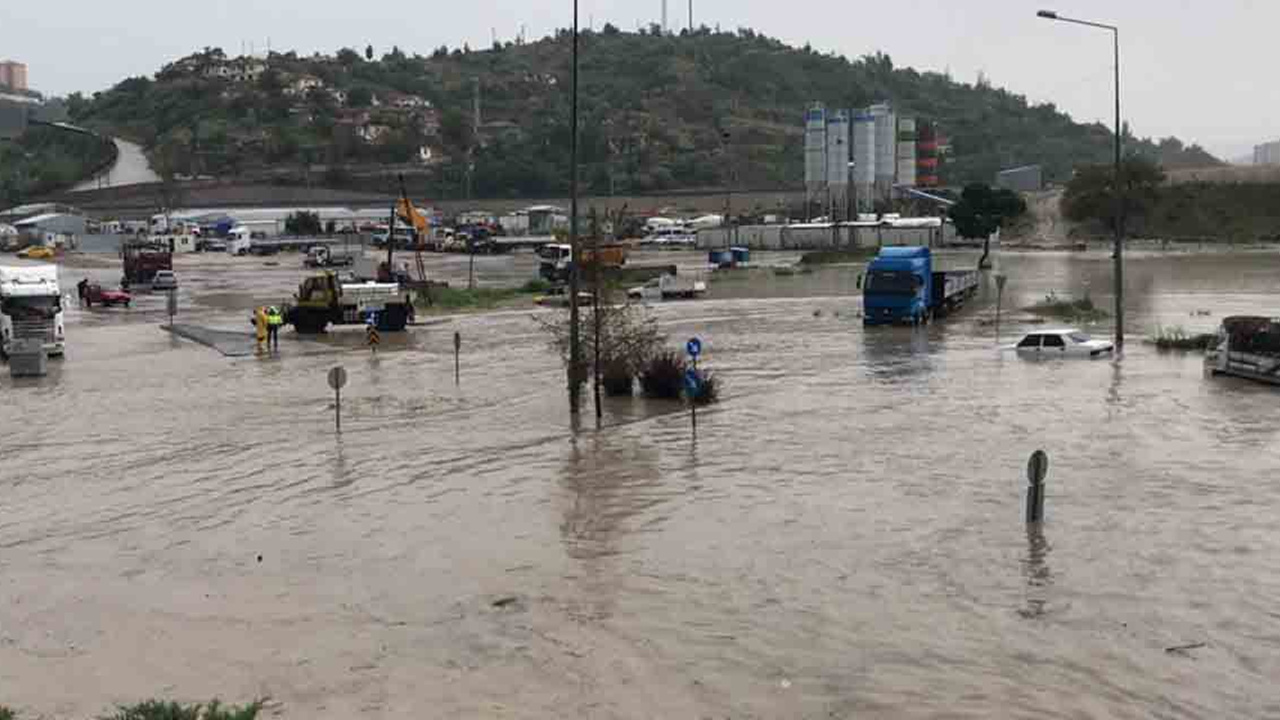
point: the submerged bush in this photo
(1067, 309)
(617, 379)
(708, 390)
(662, 378)
(6, 713)
(157, 710)
(1178, 338)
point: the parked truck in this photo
(670, 287)
(323, 300)
(1247, 346)
(327, 256)
(555, 260)
(142, 260)
(31, 307)
(901, 286)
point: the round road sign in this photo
(338, 378)
(1037, 467)
(692, 382)
(1001, 280)
(694, 347)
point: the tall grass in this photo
(158, 710)
(1177, 338)
(1067, 309)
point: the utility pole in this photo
(575, 255)
(690, 17)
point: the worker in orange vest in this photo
(260, 327)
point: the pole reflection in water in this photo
(607, 484)
(1036, 570)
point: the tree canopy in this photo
(1091, 195)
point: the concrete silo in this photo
(864, 161)
(815, 155)
(886, 149)
(838, 164)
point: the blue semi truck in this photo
(902, 287)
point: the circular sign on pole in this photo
(457, 340)
(692, 382)
(338, 378)
(694, 347)
(1037, 467)
(1001, 280)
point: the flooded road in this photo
(844, 538)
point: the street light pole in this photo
(1118, 253)
(575, 255)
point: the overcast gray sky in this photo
(1198, 69)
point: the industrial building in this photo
(13, 75)
(1267, 153)
(857, 159)
(1028, 178)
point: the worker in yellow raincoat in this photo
(260, 326)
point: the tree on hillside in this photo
(982, 211)
(360, 96)
(1091, 194)
(348, 57)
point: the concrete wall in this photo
(822, 237)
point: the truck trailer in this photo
(901, 286)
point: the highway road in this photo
(131, 168)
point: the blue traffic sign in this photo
(692, 382)
(694, 347)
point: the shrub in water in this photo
(708, 390)
(156, 710)
(662, 378)
(616, 378)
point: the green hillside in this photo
(655, 110)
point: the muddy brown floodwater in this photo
(844, 538)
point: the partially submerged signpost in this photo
(337, 379)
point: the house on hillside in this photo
(247, 69)
(428, 122)
(407, 102)
(302, 85)
(500, 130)
(372, 132)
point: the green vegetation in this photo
(836, 257)
(1178, 338)
(157, 710)
(451, 298)
(982, 211)
(6, 713)
(663, 376)
(1082, 310)
(659, 112)
(45, 160)
(303, 223)
(1091, 194)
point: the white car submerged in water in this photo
(1066, 342)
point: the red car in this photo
(95, 294)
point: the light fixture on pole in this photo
(1118, 254)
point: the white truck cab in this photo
(31, 307)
